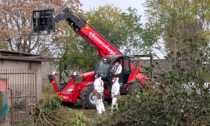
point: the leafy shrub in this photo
(79, 119)
(51, 103)
(166, 102)
(162, 106)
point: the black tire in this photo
(87, 97)
(134, 87)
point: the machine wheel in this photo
(87, 97)
(134, 87)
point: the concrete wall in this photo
(25, 65)
(47, 68)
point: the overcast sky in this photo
(123, 5)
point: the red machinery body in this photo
(73, 90)
(72, 96)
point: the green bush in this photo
(51, 103)
(163, 106)
(166, 101)
(78, 119)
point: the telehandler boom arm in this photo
(41, 22)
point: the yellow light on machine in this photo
(86, 27)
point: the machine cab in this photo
(106, 64)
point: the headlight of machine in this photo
(69, 90)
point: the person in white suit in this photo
(98, 91)
(115, 92)
(117, 69)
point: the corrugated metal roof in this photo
(20, 56)
(5, 52)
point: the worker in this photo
(117, 69)
(98, 91)
(115, 92)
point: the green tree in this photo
(108, 21)
(138, 38)
(77, 53)
(182, 24)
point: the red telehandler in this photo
(81, 86)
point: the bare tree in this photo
(16, 32)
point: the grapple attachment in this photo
(43, 20)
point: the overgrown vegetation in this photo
(49, 112)
(168, 100)
(47, 89)
(177, 98)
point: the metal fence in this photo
(22, 84)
